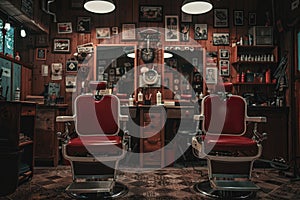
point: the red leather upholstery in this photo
(225, 142)
(217, 109)
(97, 117)
(85, 145)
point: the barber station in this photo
(136, 99)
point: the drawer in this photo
(180, 113)
(45, 120)
(152, 116)
(28, 110)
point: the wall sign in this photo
(27, 7)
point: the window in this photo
(8, 40)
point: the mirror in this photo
(115, 64)
(183, 72)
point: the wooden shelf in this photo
(254, 63)
(252, 83)
(24, 143)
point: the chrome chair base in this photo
(205, 189)
(90, 190)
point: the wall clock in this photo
(147, 55)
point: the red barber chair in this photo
(95, 154)
(229, 151)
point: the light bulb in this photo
(23, 33)
(7, 26)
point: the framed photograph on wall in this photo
(224, 67)
(220, 39)
(252, 18)
(184, 32)
(200, 32)
(211, 75)
(72, 66)
(41, 54)
(61, 45)
(171, 28)
(238, 17)
(186, 17)
(103, 33)
(83, 24)
(223, 53)
(63, 28)
(221, 17)
(128, 31)
(150, 13)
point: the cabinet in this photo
(152, 135)
(46, 141)
(252, 71)
(14, 75)
(17, 125)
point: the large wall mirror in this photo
(115, 64)
(183, 71)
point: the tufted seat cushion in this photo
(95, 145)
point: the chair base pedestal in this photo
(96, 190)
(205, 189)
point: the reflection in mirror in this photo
(183, 72)
(117, 68)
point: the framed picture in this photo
(186, 17)
(61, 45)
(252, 18)
(83, 24)
(42, 40)
(72, 66)
(221, 17)
(77, 4)
(150, 13)
(220, 39)
(128, 31)
(41, 54)
(115, 30)
(224, 67)
(200, 32)
(211, 75)
(102, 33)
(224, 54)
(211, 58)
(238, 17)
(63, 28)
(171, 28)
(184, 32)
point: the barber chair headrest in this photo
(98, 85)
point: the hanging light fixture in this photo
(23, 32)
(195, 7)
(99, 6)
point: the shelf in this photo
(252, 83)
(259, 63)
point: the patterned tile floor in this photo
(168, 183)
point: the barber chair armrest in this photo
(65, 118)
(198, 117)
(256, 119)
(124, 118)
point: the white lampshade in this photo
(195, 7)
(99, 6)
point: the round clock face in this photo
(147, 55)
(150, 77)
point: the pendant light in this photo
(99, 6)
(195, 7)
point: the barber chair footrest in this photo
(91, 187)
(232, 185)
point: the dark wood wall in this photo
(127, 12)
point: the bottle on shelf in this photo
(140, 97)
(158, 98)
(17, 57)
(130, 101)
